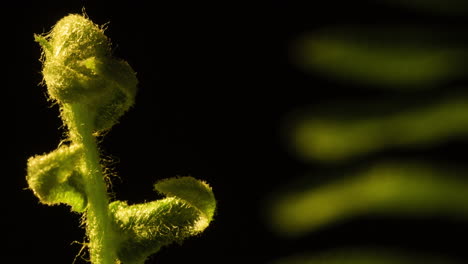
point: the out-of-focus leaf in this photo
(389, 58)
(365, 256)
(383, 189)
(334, 138)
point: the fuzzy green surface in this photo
(54, 177)
(195, 192)
(145, 228)
(93, 89)
(79, 68)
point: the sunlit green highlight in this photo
(334, 138)
(397, 189)
(363, 60)
(363, 257)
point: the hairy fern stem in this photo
(98, 224)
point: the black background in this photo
(215, 86)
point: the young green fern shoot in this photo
(93, 89)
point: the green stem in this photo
(98, 223)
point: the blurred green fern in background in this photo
(363, 256)
(409, 61)
(391, 57)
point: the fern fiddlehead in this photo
(93, 89)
